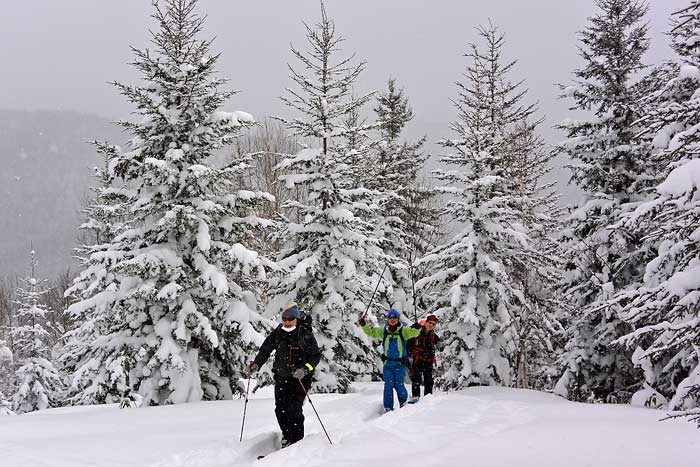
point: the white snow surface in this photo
(478, 426)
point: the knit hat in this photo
(393, 312)
(290, 310)
(432, 318)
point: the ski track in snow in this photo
(478, 426)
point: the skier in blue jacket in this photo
(394, 356)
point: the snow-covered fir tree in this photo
(405, 219)
(37, 382)
(665, 310)
(173, 292)
(609, 165)
(104, 216)
(6, 379)
(538, 270)
(106, 208)
(330, 258)
(471, 273)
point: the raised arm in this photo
(376, 333)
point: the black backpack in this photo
(305, 320)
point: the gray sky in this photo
(60, 54)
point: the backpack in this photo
(421, 345)
(305, 320)
(404, 360)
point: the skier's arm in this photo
(266, 349)
(313, 353)
(409, 333)
(376, 333)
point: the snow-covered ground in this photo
(475, 427)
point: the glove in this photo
(416, 325)
(299, 373)
(253, 367)
(362, 321)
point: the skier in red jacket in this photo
(421, 349)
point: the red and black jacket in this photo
(422, 347)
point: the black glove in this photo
(253, 367)
(362, 321)
(416, 325)
(299, 373)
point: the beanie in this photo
(290, 310)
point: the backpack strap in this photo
(400, 334)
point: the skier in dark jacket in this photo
(296, 356)
(422, 351)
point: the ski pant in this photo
(394, 374)
(289, 401)
(421, 373)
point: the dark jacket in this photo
(422, 347)
(295, 349)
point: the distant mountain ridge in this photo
(46, 169)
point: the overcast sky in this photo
(61, 54)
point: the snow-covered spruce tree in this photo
(404, 213)
(173, 293)
(105, 216)
(108, 207)
(329, 258)
(609, 165)
(471, 274)
(665, 310)
(538, 269)
(6, 379)
(37, 383)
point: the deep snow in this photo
(474, 427)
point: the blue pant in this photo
(394, 373)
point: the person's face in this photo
(393, 319)
(288, 322)
(429, 325)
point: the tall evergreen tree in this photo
(609, 166)
(173, 293)
(537, 272)
(329, 257)
(38, 384)
(6, 379)
(472, 272)
(404, 212)
(665, 310)
(107, 209)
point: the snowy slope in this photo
(476, 427)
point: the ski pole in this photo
(375, 291)
(317, 416)
(245, 406)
